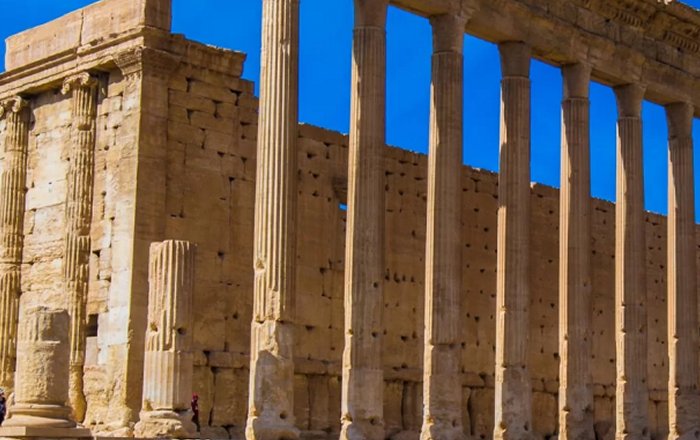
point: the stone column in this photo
(271, 396)
(43, 353)
(630, 280)
(363, 378)
(442, 384)
(513, 387)
(683, 397)
(168, 366)
(12, 202)
(575, 312)
(78, 217)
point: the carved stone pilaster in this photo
(78, 216)
(12, 203)
(168, 366)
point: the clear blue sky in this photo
(326, 32)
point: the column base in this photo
(364, 430)
(258, 428)
(165, 424)
(441, 432)
(39, 416)
(27, 432)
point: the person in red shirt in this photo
(195, 410)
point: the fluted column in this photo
(168, 366)
(575, 388)
(513, 387)
(630, 280)
(683, 397)
(363, 379)
(12, 202)
(271, 396)
(78, 216)
(442, 387)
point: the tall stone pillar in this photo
(168, 366)
(77, 226)
(41, 392)
(363, 378)
(683, 396)
(575, 312)
(12, 202)
(513, 387)
(442, 385)
(271, 396)
(630, 279)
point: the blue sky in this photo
(326, 32)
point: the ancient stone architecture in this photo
(341, 288)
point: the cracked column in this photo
(513, 388)
(168, 366)
(12, 202)
(363, 378)
(630, 276)
(78, 217)
(442, 383)
(271, 394)
(575, 312)
(683, 398)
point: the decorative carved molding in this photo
(144, 60)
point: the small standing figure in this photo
(3, 406)
(195, 410)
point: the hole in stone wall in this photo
(92, 326)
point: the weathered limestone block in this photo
(12, 203)
(513, 387)
(363, 378)
(442, 384)
(168, 366)
(683, 392)
(630, 276)
(271, 397)
(78, 216)
(43, 354)
(575, 296)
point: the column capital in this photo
(629, 100)
(80, 80)
(448, 32)
(515, 59)
(14, 105)
(371, 13)
(679, 116)
(142, 60)
(577, 80)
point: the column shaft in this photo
(683, 397)
(363, 378)
(513, 388)
(442, 387)
(78, 217)
(168, 366)
(12, 202)
(575, 390)
(271, 397)
(630, 261)
(42, 369)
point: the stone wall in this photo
(197, 184)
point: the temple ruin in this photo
(165, 232)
